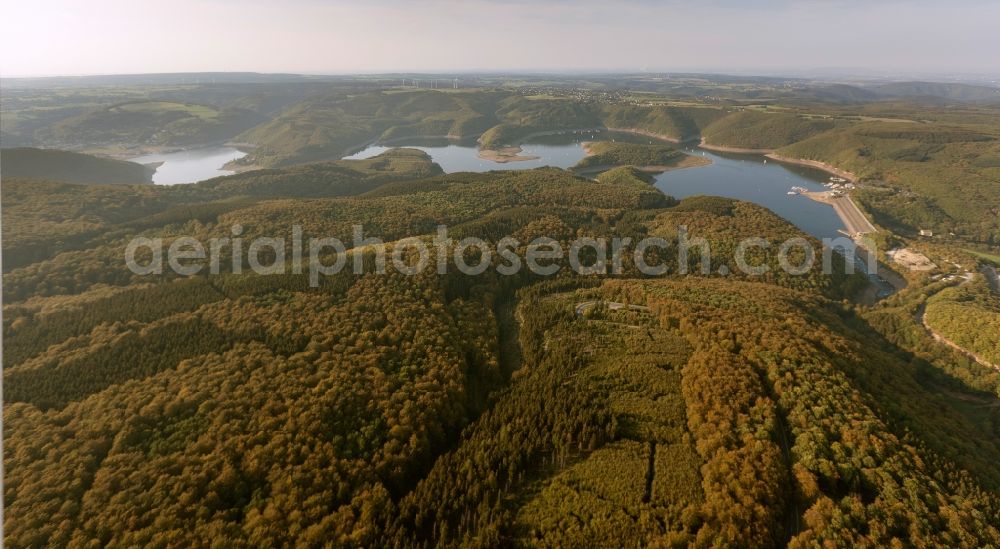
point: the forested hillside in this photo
(917, 164)
(457, 410)
(717, 413)
(152, 123)
(69, 167)
(43, 218)
(605, 153)
(762, 130)
(923, 176)
(330, 126)
(968, 315)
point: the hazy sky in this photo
(46, 37)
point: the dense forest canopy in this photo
(713, 408)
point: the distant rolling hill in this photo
(69, 167)
(950, 91)
(843, 93)
(861, 93)
(158, 79)
(153, 123)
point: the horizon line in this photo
(792, 73)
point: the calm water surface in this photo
(192, 165)
(755, 179)
(464, 156)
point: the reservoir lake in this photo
(746, 177)
(756, 179)
(192, 165)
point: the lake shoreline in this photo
(503, 155)
(236, 167)
(647, 133)
(378, 141)
(128, 153)
(688, 163)
(773, 155)
(151, 168)
(850, 176)
(732, 150)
